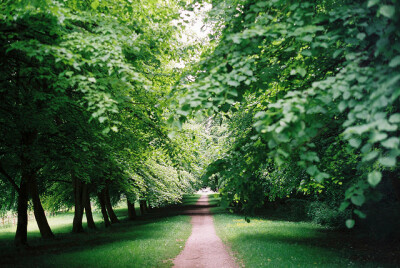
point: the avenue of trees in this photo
(289, 99)
(83, 98)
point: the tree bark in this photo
(396, 186)
(38, 210)
(21, 235)
(103, 209)
(78, 215)
(88, 207)
(109, 208)
(131, 210)
(142, 204)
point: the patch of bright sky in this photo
(196, 31)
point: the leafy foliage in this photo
(319, 81)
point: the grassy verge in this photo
(148, 242)
(280, 243)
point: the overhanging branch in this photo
(9, 179)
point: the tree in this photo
(309, 72)
(73, 73)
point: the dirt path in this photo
(203, 248)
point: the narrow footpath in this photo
(203, 248)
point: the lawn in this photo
(281, 243)
(151, 241)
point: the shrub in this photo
(321, 213)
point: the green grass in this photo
(281, 243)
(151, 241)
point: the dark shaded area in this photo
(347, 243)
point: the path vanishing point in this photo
(203, 248)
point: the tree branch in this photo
(64, 181)
(9, 178)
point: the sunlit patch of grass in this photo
(275, 243)
(190, 200)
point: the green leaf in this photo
(374, 178)
(260, 114)
(307, 38)
(394, 118)
(387, 161)
(360, 214)
(233, 83)
(271, 144)
(358, 200)
(321, 176)
(342, 106)
(372, 3)
(102, 119)
(301, 71)
(378, 136)
(95, 4)
(361, 36)
(106, 130)
(306, 53)
(391, 143)
(395, 62)
(312, 170)
(366, 148)
(337, 53)
(350, 223)
(387, 11)
(344, 205)
(370, 156)
(355, 142)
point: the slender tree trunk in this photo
(103, 209)
(78, 216)
(21, 235)
(88, 207)
(38, 210)
(131, 210)
(142, 204)
(109, 208)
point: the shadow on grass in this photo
(361, 252)
(147, 227)
(279, 232)
(68, 242)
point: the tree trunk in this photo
(21, 235)
(38, 210)
(396, 185)
(88, 207)
(142, 204)
(109, 208)
(78, 215)
(131, 210)
(148, 207)
(103, 209)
